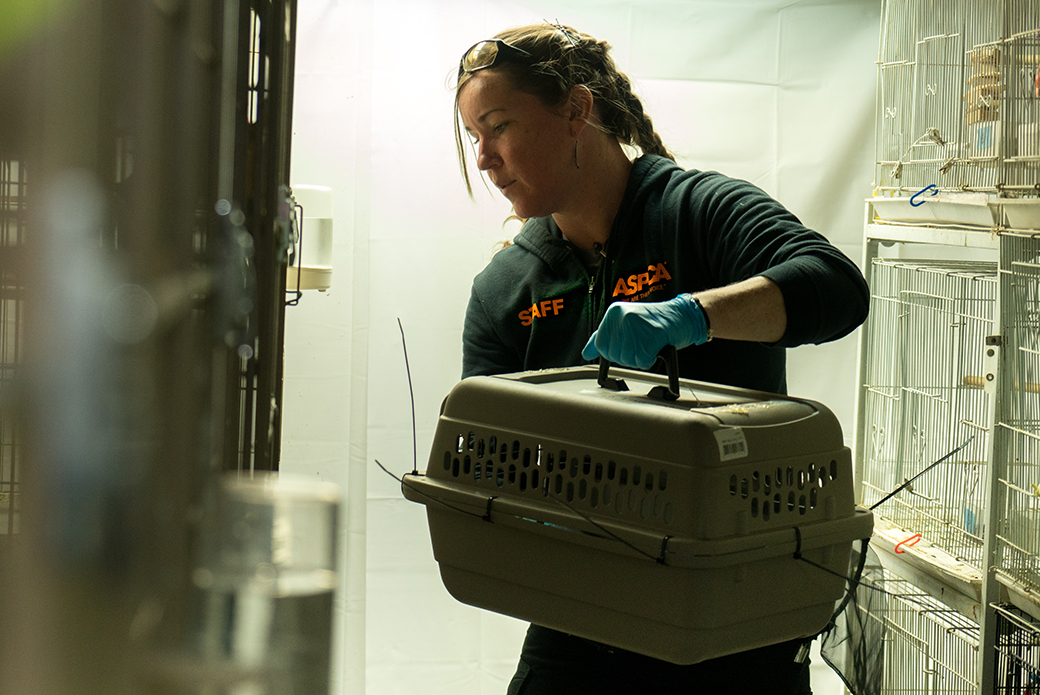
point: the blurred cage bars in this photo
(12, 240)
(924, 384)
(959, 103)
(112, 427)
(262, 142)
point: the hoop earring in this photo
(576, 154)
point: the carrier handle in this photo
(665, 393)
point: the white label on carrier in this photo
(732, 444)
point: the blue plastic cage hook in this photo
(913, 198)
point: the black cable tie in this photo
(487, 510)
(797, 543)
(664, 549)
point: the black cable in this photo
(486, 516)
(614, 536)
(418, 491)
(910, 482)
(408, 371)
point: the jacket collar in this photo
(542, 237)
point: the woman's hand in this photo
(632, 333)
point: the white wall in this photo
(779, 92)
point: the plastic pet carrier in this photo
(678, 519)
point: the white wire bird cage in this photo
(925, 396)
(959, 111)
(1019, 425)
(928, 648)
(951, 352)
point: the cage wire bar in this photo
(12, 242)
(144, 188)
(925, 396)
(1021, 137)
(1018, 652)
(928, 648)
(263, 105)
(1019, 426)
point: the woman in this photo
(618, 258)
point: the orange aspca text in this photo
(634, 284)
(540, 309)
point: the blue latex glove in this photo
(632, 333)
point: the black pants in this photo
(554, 663)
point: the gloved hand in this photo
(632, 333)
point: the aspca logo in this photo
(643, 284)
(546, 307)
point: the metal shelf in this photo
(893, 232)
(949, 579)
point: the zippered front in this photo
(598, 302)
(605, 286)
(591, 305)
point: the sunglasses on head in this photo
(489, 53)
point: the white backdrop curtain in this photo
(778, 92)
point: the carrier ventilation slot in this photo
(765, 492)
(575, 478)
